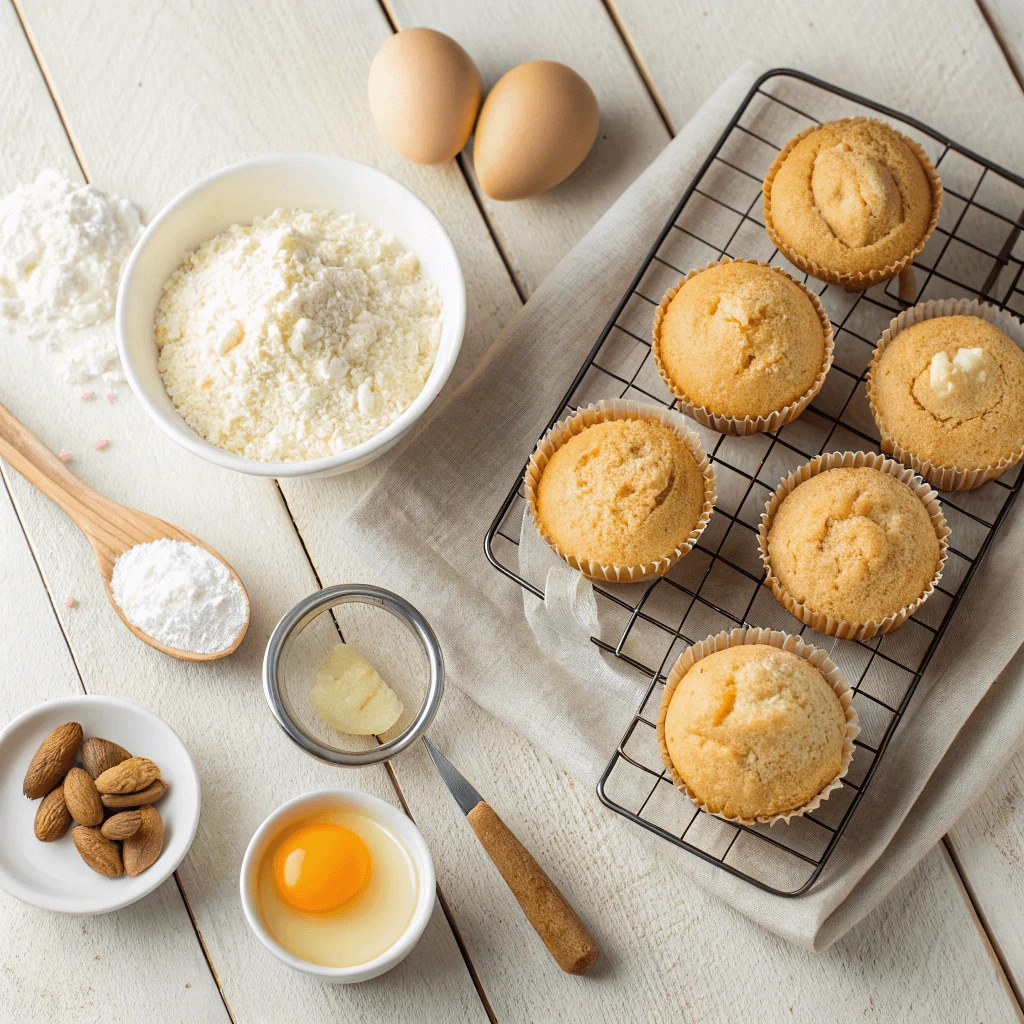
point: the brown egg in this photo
(536, 127)
(424, 95)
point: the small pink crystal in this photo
(69, 602)
(85, 396)
(110, 396)
(64, 455)
(101, 443)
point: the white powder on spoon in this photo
(180, 594)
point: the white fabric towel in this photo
(420, 532)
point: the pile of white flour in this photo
(179, 594)
(62, 246)
(296, 337)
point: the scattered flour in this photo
(179, 594)
(62, 246)
(298, 336)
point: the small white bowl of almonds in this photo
(99, 803)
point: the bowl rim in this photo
(14, 887)
(179, 430)
(392, 818)
(301, 615)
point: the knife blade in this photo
(465, 795)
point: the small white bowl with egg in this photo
(238, 195)
(386, 916)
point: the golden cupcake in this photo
(852, 202)
(852, 550)
(620, 493)
(948, 393)
(753, 731)
(741, 342)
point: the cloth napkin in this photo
(420, 531)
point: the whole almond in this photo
(143, 848)
(53, 818)
(82, 797)
(98, 755)
(99, 853)
(122, 825)
(129, 776)
(149, 795)
(50, 763)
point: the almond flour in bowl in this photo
(296, 337)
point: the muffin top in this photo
(951, 390)
(621, 492)
(742, 340)
(855, 544)
(754, 731)
(852, 196)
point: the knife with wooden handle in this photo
(545, 907)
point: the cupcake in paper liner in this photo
(853, 544)
(756, 726)
(742, 345)
(620, 490)
(873, 202)
(946, 389)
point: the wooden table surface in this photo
(142, 98)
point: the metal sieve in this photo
(409, 660)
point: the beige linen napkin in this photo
(421, 529)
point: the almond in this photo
(53, 818)
(122, 825)
(50, 763)
(98, 755)
(129, 776)
(99, 853)
(149, 795)
(143, 848)
(82, 797)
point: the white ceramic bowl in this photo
(392, 819)
(236, 195)
(52, 875)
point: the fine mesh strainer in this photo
(389, 632)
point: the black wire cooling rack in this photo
(975, 252)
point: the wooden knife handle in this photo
(545, 907)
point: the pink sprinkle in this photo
(64, 455)
(86, 395)
(110, 396)
(69, 602)
(101, 443)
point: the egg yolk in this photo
(321, 867)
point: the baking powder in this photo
(179, 594)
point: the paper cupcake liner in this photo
(783, 642)
(742, 426)
(946, 477)
(843, 628)
(853, 281)
(619, 409)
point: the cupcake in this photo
(851, 202)
(756, 726)
(853, 544)
(947, 392)
(621, 491)
(742, 345)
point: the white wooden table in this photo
(142, 98)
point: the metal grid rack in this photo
(975, 252)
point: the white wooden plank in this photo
(217, 709)
(941, 65)
(616, 881)
(536, 233)
(55, 966)
(1006, 18)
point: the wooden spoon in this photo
(110, 528)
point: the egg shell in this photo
(536, 127)
(424, 94)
